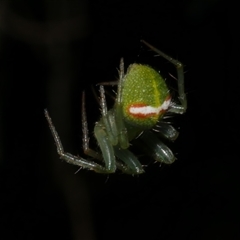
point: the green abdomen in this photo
(145, 96)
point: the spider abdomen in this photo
(145, 96)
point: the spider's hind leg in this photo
(166, 130)
(175, 108)
(154, 147)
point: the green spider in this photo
(142, 100)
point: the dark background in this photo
(50, 51)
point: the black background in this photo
(50, 51)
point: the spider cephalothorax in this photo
(142, 100)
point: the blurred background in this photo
(50, 51)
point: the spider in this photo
(142, 100)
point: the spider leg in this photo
(154, 147)
(133, 166)
(105, 132)
(111, 134)
(105, 146)
(122, 131)
(69, 158)
(112, 83)
(85, 137)
(113, 119)
(108, 119)
(179, 66)
(166, 130)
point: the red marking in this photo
(146, 115)
(167, 99)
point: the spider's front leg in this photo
(175, 108)
(129, 164)
(101, 135)
(112, 135)
(69, 158)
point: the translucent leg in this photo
(179, 66)
(113, 119)
(102, 137)
(131, 161)
(122, 131)
(105, 144)
(112, 137)
(166, 130)
(107, 120)
(106, 147)
(150, 143)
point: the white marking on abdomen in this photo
(149, 110)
